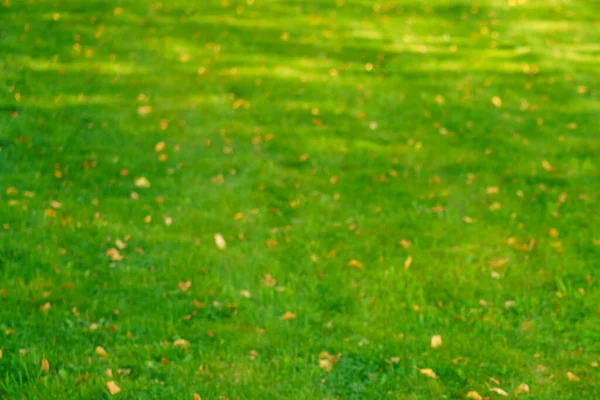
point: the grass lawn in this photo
(297, 199)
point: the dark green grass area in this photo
(386, 171)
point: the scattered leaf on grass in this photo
(428, 372)
(499, 391)
(355, 264)
(474, 396)
(327, 361)
(269, 280)
(547, 166)
(101, 352)
(181, 343)
(144, 110)
(436, 341)
(408, 262)
(572, 377)
(185, 286)
(288, 315)
(197, 396)
(522, 388)
(160, 146)
(114, 254)
(142, 182)
(45, 365)
(497, 101)
(219, 241)
(112, 387)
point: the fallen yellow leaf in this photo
(497, 101)
(185, 286)
(269, 280)
(219, 241)
(499, 391)
(428, 372)
(436, 341)
(522, 388)
(474, 396)
(572, 377)
(355, 264)
(101, 352)
(160, 146)
(142, 182)
(112, 387)
(144, 110)
(288, 315)
(197, 396)
(114, 254)
(45, 365)
(181, 343)
(407, 262)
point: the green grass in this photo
(394, 104)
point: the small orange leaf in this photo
(355, 264)
(112, 387)
(144, 110)
(522, 388)
(101, 352)
(572, 377)
(185, 286)
(288, 315)
(269, 280)
(160, 146)
(45, 365)
(428, 372)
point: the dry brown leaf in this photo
(142, 182)
(101, 352)
(474, 396)
(522, 388)
(55, 204)
(408, 262)
(46, 307)
(112, 387)
(553, 232)
(572, 377)
(197, 396)
(185, 286)
(436, 341)
(428, 372)
(499, 391)
(355, 264)
(45, 365)
(271, 242)
(220, 241)
(1, 354)
(144, 110)
(288, 315)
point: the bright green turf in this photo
(403, 91)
